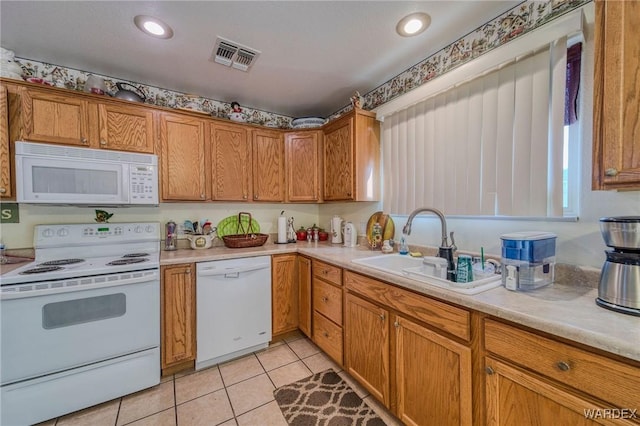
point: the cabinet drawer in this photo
(453, 320)
(327, 299)
(327, 272)
(328, 337)
(610, 380)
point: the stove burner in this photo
(41, 270)
(126, 261)
(61, 262)
(136, 255)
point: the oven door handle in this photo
(77, 284)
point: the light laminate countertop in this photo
(567, 310)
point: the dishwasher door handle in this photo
(230, 272)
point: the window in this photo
(487, 138)
(490, 146)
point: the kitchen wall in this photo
(20, 235)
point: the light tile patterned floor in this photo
(236, 393)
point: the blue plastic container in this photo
(528, 246)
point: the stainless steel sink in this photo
(412, 268)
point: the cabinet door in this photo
(338, 161)
(230, 162)
(5, 157)
(433, 377)
(367, 345)
(516, 398)
(616, 132)
(284, 294)
(183, 158)
(304, 295)
(178, 314)
(55, 118)
(302, 151)
(126, 128)
(268, 166)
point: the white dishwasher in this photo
(233, 308)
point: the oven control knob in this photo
(137, 229)
(149, 229)
(118, 230)
(48, 233)
(63, 232)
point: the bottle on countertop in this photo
(403, 249)
(376, 236)
(170, 237)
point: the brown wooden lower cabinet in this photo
(516, 397)
(366, 334)
(304, 295)
(284, 293)
(431, 375)
(178, 322)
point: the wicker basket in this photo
(243, 238)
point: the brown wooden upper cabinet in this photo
(351, 158)
(5, 156)
(56, 118)
(303, 165)
(53, 116)
(268, 165)
(616, 99)
(126, 128)
(230, 162)
(246, 164)
(183, 161)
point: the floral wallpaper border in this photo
(525, 17)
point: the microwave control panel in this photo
(144, 184)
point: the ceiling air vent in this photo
(230, 53)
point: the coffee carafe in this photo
(619, 288)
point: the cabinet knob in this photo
(489, 370)
(84, 141)
(255, 197)
(201, 195)
(612, 171)
(325, 334)
(349, 193)
(188, 271)
(244, 197)
(103, 142)
(3, 190)
(325, 299)
(396, 324)
(563, 366)
(381, 317)
(325, 272)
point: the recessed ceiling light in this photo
(153, 26)
(413, 24)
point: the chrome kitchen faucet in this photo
(445, 250)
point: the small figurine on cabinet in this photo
(356, 100)
(236, 113)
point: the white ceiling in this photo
(314, 54)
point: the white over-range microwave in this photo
(58, 174)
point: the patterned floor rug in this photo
(324, 399)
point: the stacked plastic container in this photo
(528, 260)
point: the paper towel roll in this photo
(282, 229)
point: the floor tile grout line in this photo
(115, 423)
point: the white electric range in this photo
(81, 324)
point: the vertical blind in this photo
(488, 146)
